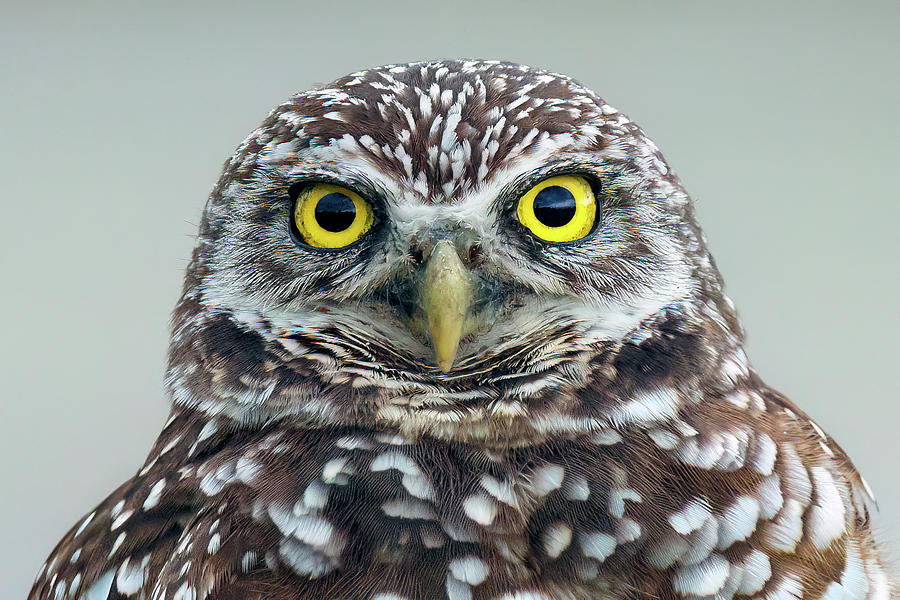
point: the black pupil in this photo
(335, 212)
(554, 206)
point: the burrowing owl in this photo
(451, 331)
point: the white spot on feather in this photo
(556, 538)
(651, 406)
(480, 509)
(469, 569)
(247, 469)
(597, 545)
(456, 589)
(738, 521)
(336, 471)
(394, 460)
(691, 517)
(131, 574)
(353, 443)
(504, 491)
(525, 595)
(117, 544)
(757, 571)
(576, 488)
(248, 561)
(154, 494)
(99, 590)
(547, 478)
(665, 440)
(627, 530)
(418, 486)
(617, 498)
(764, 455)
(663, 553)
(606, 437)
(85, 523)
(303, 559)
(787, 587)
(703, 579)
(408, 509)
(770, 497)
(786, 530)
(826, 515)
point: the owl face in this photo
(432, 242)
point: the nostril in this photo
(417, 254)
(420, 249)
(475, 255)
(471, 255)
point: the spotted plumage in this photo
(600, 433)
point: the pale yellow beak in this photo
(447, 292)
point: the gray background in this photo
(781, 119)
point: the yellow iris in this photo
(331, 216)
(559, 209)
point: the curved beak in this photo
(446, 293)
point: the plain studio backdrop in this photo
(780, 118)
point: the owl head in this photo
(467, 249)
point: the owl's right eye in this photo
(330, 216)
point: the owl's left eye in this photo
(559, 209)
(331, 216)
